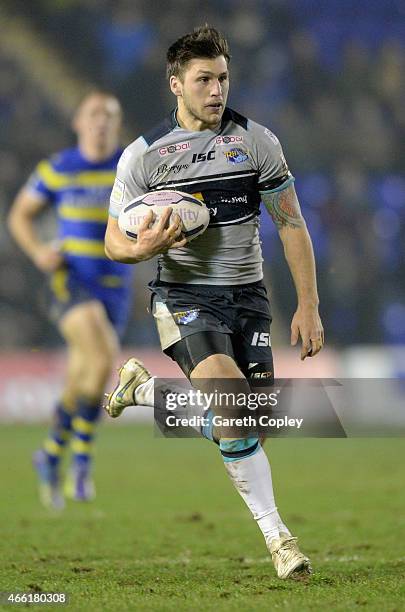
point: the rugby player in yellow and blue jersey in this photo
(91, 294)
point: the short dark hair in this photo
(205, 41)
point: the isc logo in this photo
(261, 339)
(200, 157)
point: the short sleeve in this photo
(40, 181)
(269, 159)
(130, 181)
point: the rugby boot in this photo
(287, 558)
(131, 375)
(79, 484)
(49, 490)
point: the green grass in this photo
(168, 532)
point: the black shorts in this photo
(195, 321)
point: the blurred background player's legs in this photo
(92, 348)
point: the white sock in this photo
(283, 528)
(251, 476)
(145, 393)
(252, 479)
(154, 392)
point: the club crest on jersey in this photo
(186, 316)
(236, 155)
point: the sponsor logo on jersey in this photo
(203, 157)
(224, 140)
(118, 191)
(261, 339)
(213, 210)
(261, 375)
(272, 136)
(186, 316)
(175, 169)
(174, 148)
(243, 199)
(236, 155)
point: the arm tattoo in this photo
(284, 208)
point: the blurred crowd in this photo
(328, 78)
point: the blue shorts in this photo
(68, 290)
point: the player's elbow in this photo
(108, 252)
(112, 252)
(117, 247)
(108, 246)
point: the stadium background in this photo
(166, 531)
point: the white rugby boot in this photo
(287, 557)
(132, 374)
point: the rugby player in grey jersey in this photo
(209, 301)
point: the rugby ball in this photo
(194, 214)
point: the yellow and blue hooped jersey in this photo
(79, 190)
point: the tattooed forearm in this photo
(284, 208)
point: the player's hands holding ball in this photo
(164, 235)
(154, 223)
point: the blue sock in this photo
(83, 425)
(59, 433)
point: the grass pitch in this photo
(169, 532)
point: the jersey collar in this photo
(226, 117)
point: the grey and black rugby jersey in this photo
(227, 169)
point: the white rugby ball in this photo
(194, 214)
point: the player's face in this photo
(202, 92)
(98, 122)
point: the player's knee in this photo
(70, 395)
(234, 449)
(217, 366)
(100, 366)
